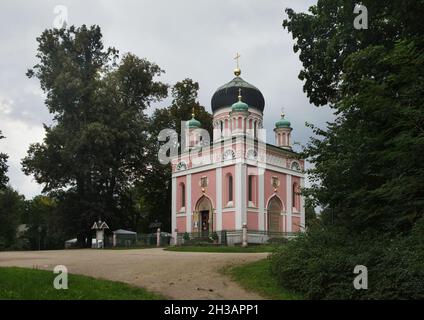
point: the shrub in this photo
(186, 236)
(215, 236)
(319, 264)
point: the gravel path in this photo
(176, 275)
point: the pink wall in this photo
(252, 221)
(196, 190)
(269, 189)
(181, 224)
(228, 220)
(295, 224)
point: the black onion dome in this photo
(227, 94)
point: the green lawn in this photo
(256, 277)
(30, 284)
(223, 249)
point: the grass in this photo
(31, 284)
(223, 249)
(256, 277)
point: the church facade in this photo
(237, 181)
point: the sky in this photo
(187, 38)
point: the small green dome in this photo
(193, 123)
(282, 123)
(239, 106)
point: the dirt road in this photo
(176, 275)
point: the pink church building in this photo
(238, 180)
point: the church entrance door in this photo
(204, 222)
(204, 210)
(274, 212)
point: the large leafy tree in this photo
(369, 164)
(96, 148)
(156, 183)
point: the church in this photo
(241, 181)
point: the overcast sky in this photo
(186, 38)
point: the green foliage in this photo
(29, 284)
(325, 38)
(320, 264)
(155, 186)
(11, 208)
(3, 168)
(368, 164)
(44, 224)
(96, 151)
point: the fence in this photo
(232, 237)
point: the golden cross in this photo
(237, 57)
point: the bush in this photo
(278, 241)
(319, 264)
(215, 236)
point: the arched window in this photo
(183, 195)
(250, 188)
(230, 188)
(222, 127)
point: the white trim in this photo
(238, 183)
(213, 166)
(188, 203)
(174, 209)
(261, 199)
(218, 195)
(243, 195)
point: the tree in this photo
(44, 224)
(11, 208)
(96, 150)
(3, 168)
(156, 184)
(368, 164)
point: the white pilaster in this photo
(238, 184)
(289, 203)
(219, 188)
(174, 209)
(243, 195)
(189, 226)
(261, 199)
